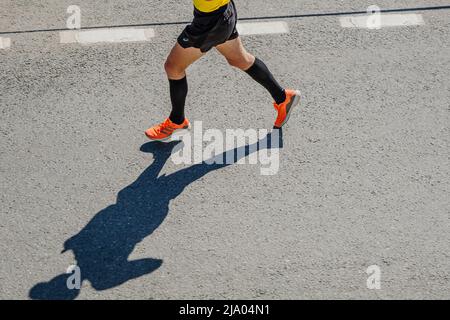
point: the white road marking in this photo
(385, 20)
(250, 28)
(113, 35)
(5, 43)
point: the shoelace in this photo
(166, 124)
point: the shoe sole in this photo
(177, 132)
(296, 101)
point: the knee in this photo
(242, 63)
(173, 70)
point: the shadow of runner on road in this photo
(102, 247)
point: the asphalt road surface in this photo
(363, 178)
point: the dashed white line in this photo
(117, 35)
(114, 35)
(377, 21)
(5, 43)
(272, 27)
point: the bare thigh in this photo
(179, 60)
(235, 53)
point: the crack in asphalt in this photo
(307, 15)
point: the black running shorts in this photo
(208, 30)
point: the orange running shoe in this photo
(164, 130)
(285, 108)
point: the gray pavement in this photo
(363, 179)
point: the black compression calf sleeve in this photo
(178, 93)
(260, 73)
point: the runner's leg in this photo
(176, 64)
(237, 56)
